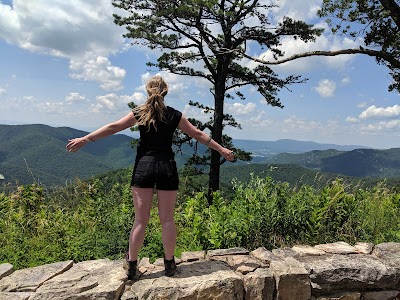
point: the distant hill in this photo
(265, 149)
(30, 153)
(37, 152)
(364, 163)
(359, 162)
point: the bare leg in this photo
(166, 207)
(142, 202)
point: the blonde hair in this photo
(154, 108)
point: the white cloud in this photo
(114, 102)
(30, 99)
(3, 90)
(51, 107)
(75, 97)
(345, 80)
(352, 120)
(78, 30)
(365, 103)
(382, 126)
(380, 112)
(240, 109)
(296, 9)
(326, 88)
(100, 70)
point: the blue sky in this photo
(64, 63)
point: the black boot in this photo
(170, 267)
(130, 267)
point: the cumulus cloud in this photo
(345, 80)
(296, 9)
(113, 102)
(100, 70)
(51, 107)
(352, 120)
(240, 109)
(326, 88)
(382, 126)
(79, 30)
(75, 97)
(3, 90)
(380, 112)
(365, 103)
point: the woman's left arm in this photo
(128, 121)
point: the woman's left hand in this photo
(77, 143)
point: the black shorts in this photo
(155, 172)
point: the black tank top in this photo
(159, 142)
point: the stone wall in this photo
(328, 271)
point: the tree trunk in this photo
(213, 184)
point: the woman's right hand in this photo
(227, 154)
(77, 143)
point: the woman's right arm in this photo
(204, 138)
(128, 121)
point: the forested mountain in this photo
(30, 153)
(358, 162)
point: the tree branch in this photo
(383, 55)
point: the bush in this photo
(88, 221)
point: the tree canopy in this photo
(209, 39)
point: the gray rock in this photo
(342, 296)
(259, 285)
(337, 273)
(285, 252)
(240, 263)
(230, 251)
(193, 256)
(6, 269)
(15, 296)
(382, 295)
(364, 248)
(386, 248)
(97, 279)
(336, 248)
(193, 280)
(292, 281)
(265, 256)
(29, 280)
(304, 250)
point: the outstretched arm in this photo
(204, 138)
(128, 121)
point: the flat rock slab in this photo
(193, 280)
(230, 251)
(336, 248)
(364, 248)
(6, 269)
(304, 250)
(15, 296)
(193, 256)
(382, 295)
(97, 279)
(337, 273)
(240, 263)
(29, 280)
(264, 255)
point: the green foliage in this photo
(92, 220)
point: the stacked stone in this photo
(323, 272)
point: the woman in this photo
(155, 167)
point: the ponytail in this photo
(154, 109)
